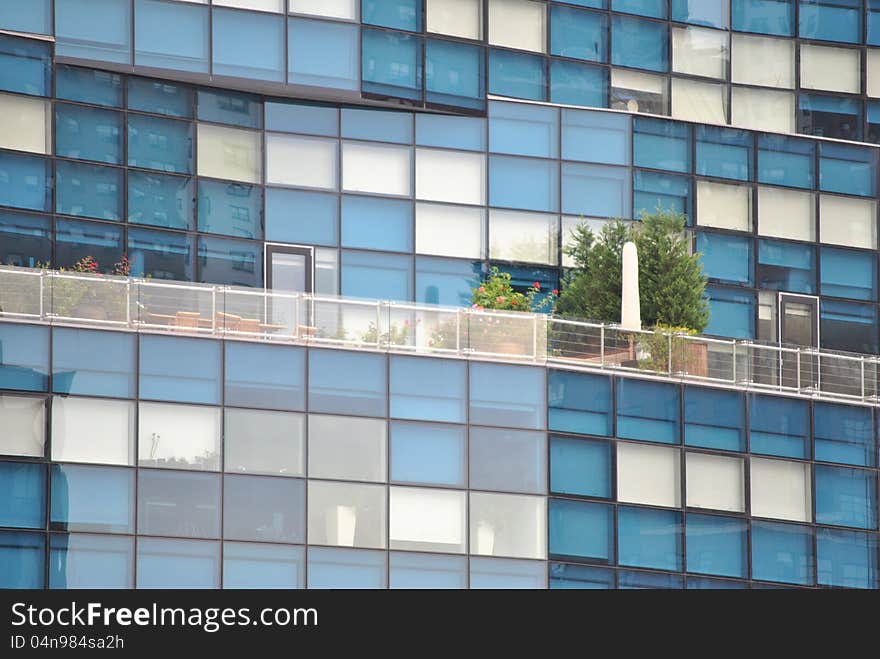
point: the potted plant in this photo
(79, 298)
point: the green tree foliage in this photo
(671, 280)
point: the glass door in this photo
(289, 269)
(799, 327)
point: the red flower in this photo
(555, 291)
(537, 285)
(481, 289)
(513, 302)
(499, 299)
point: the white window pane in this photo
(648, 474)
(781, 489)
(848, 221)
(376, 168)
(90, 430)
(460, 18)
(230, 153)
(304, 161)
(331, 8)
(569, 224)
(428, 520)
(715, 482)
(511, 525)
(786, 213)
(346, 515)
(264, 442)
(724, 206)
(23, 421)
(507, 574)
(517, 24)
(834, 69)
(25, 125)
(508, 460)
(762, 109)
(873, 64)
(347, 448)
(700, 52)
(451, 176)
(262, 5)
(326, 272)
(699, 101)
(179, 436)
(450, 230)
(762, 61)
(523, 236)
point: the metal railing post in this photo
(798, 364)
(733, 367)
(128, 302)
(602, 345)
(669, 353)
(42, 295)
(862, 375)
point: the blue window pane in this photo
(451, 132)
(227, 107)
(596, 190)
(844, 433)
(764, 16)
(94, 499)
(347, 383)
(399, 14)
(628, 580)
(831, 20)
(74, 240)
(517, 75)
(717, 545)
(649, 538)
(724, 153)
(380, 125)
(263, 376)
(667, 192)
(731, 313)
(846, 497)
(183, 370)
(322, 54)
(249, 565)
(701, 12)
(579, 403)
(392, 64)
(161, 254)
(88, 133)
(595, 4)
(88, 86)
(427, 571)
(707, 583)
(94, 29)
(726, 259)
(248, 44)
(171, 35)
(90, 561)
(573, 83)
(847, 169)
(523, 130)
(446, 281)
(783, 553)
(580, 466)
(165, 563)
(786, 161)
(346, 568)
(662, 144)
(500, 573)
(34, 16)
(873, 22)
(714, 418)
(580, 577)
(454, 74)
(639, 44)
(601, 137)
(652, 8)
(159, 200)
(581, 530)
(382, 276)
(830, 116)
(846, 559)
(93, 363)
(509, 396)
(848, 273)
(648, 410)
(375, 223)
(786, 266)
(25, 64)
(177, 503)
(88, 190)
(163, 144)
(523, 183)
(22, 559)
(848, 326)
(162, 97)
(302, 118)
(428, 389)
(264, 508)
(24, 357)
(309, 218)
(232, 262)
(24, 181)
(427, 453)
(26, 240)
(578, 34)
(232, 209)
(23, 504)
(779, 426)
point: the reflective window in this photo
(409, 570)
(347, 514)
(648, 410)
(714, 418)
(265, 376)
(830, 20)
(321, 53)
(74, 240)
(160, 254)
(848, 273)
(185, 370)
(844, 433)
(578, 34)
(581, 530)
(505, 524)
(422, 519)
(454, 74)
(579, 403)
(517, 75)
(649, 538)
(184, 564)
(786, 266)
(22, 559)
(302, 118)
(88, 133)
(160, 97)
(580, 467)
(391, 63)
(659, 144)
(347, 383)
(499, 573)
(375, 223)
(160, 200)
(96, 499)
(94, 29)
(232, 262)
(846, 558)
(846, 497)
(93, 363)
(847, 326)
(639, 44)
(262, 442)
(88, 190)
(171, 36)
(347, 568)
(249, 565)
(596, 191)
(231, 209)
(26, 63)
(264, 509)
(376, 276)
(78, 560)
(24, 239)
(248, 45)
(511, 396)
(433, 454)
(764, 16)
(24, 422)
(783, 553)
(446, 281)
(93, 430)
(33, 17)
(786, 161)
(779, 426)
(179, 436)
(23, 505)
(23, 181)
(177, 503)
(523, 183)
(24, 357)
(428, 389)
(163, 144)
(296, 216)
(717, 545)
(580, 577)
(508, 460)
(596, 137)
(573, 83)
(523, 130)
(348, 448)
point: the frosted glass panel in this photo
(451, 176)
(91, 430)
(179, 436)
(428, 520)
(460, 18)
(834, 69)
(848, 221)
(724, 206)
(699, 52)
(230, 153)
(508, 525)
(522, 236)
(23, 420)
(347, 515)
(303, 161)
(699, 101)
(762, 61)
(375, 168)
(25, 125)
(786, 213)
(762, 109)
(715, 482)
(873, 65)
(518, 24)
(331, 8)
(648, 474)
(348, 448)
(450, 230)
(781, 489)
(261, 5)
(263, 442)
